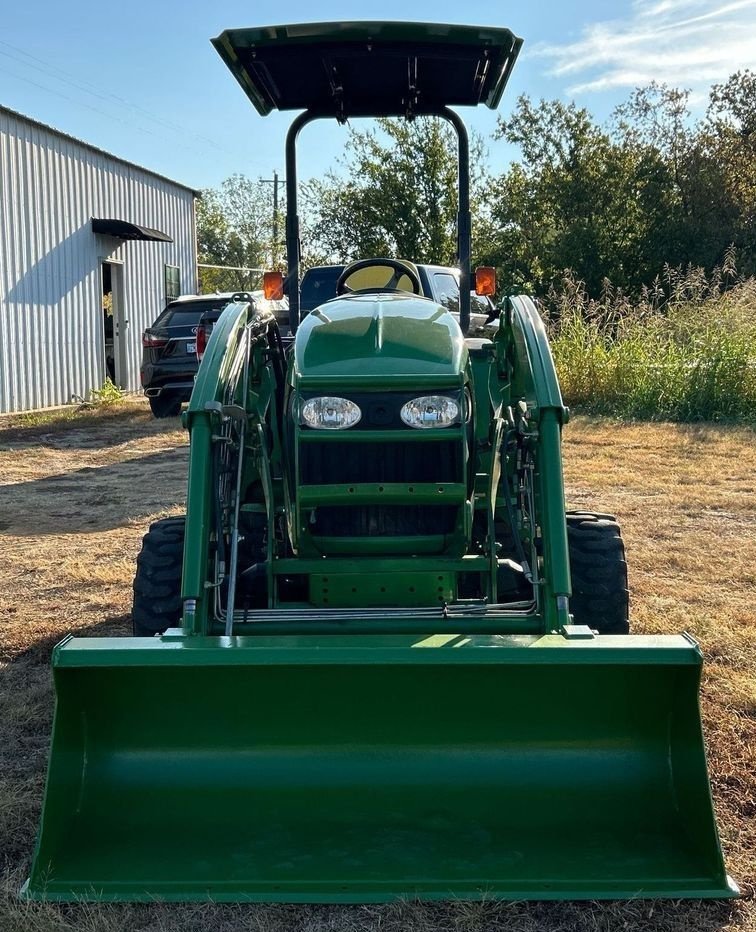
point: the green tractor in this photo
(377, 659)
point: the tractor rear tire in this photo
(157, 583)
(600, 597)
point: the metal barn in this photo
(91, 248)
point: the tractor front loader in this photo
(363, 668)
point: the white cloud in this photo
(683, 43)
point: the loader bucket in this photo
(366, 768)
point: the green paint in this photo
(369, 769)
(371, 589)
(390, 337)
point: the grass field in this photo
(684, 353)
(78, 492)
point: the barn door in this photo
(116, 324)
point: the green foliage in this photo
(653, 188)
(578, 199)
(684, 351)
(620, 202)
(109, 394)
(396, 194)
(699, 216)
(234, 228)
(729, 139)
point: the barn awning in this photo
(122, 229)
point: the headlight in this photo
(329, 413)
(430, 411)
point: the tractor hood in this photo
(383, 337)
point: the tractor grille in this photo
(384, 520)
(332, 463)
(335, 463)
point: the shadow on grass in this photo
(94, 499)
(39, 651)
(83, 428)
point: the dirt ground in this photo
(77, 492)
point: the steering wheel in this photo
(399, 269)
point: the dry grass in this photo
(79, 492)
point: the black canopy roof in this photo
(369, 68)
(122, 229)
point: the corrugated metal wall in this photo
(51, 322)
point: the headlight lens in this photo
(430, 411)
(328, 413)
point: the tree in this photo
(396, 194)
(698, 220)
(729, 139)
(654, 189)
(710, 199)
(234, 228)
(576, 200)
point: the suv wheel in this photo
(165, 405)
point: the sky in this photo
(141, 79)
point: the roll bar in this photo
(293, 240)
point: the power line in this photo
(230, 268)
(79, 103)
(59, 74)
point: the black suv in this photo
(169, 352)
(209, 318)
(440, 283)
(318, 285)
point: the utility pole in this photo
(274, 245)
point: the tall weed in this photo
(684, 351)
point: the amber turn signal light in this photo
(273, 283)
(485, 280)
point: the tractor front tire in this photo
(157, 583)
(600, 597)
